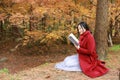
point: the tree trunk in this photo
(101, 28)
(1, 30)
(30, 26)
(1, 26)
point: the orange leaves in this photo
(50, 15)
(114, 11)
(52, 37)
(1, 10)
(17, 19)
(32, 36)
(47, 38)
(39, 11)
(83, 10)
(21, 8)
(2, 16)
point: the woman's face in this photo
(81, 29)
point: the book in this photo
(73, 39)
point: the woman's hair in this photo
(84, 25)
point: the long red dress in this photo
(88, 58)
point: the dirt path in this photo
(41, 67)
(48, 72)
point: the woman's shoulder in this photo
(90, 36)
(87, 35)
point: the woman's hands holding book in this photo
(77, 47)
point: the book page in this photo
(73, 39)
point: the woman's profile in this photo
(86, 59)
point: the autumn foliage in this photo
(50, 20)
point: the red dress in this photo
(88, 58)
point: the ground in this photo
(22, 64)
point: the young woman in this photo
(86, 60)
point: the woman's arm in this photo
(90, 47)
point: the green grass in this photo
(115, 48)
(5, 75)
(4, 70)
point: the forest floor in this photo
(23, 65)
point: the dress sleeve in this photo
(90, 46)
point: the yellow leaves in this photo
(2, 16)
(114, 12)
(47, 38)
(52, 37)
(83, 10)
(1, 10)
(21, 8)
(39, 11)
(36, 34)
(17, 19)
(32, 36)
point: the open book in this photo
(73, 39)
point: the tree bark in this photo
(30, 25)
(101, 28)
(1, 26)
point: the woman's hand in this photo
(77, 47)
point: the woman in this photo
(86, 60)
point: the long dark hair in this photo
(83, 25)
